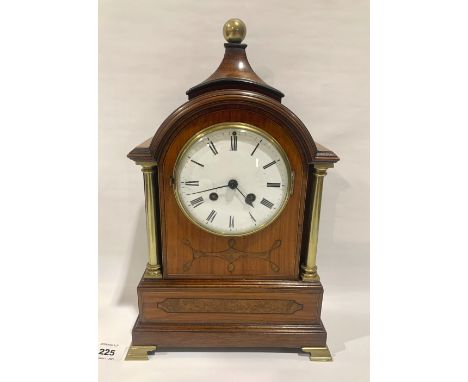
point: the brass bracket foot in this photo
(139, 353)
(318, 354)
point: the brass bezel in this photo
(241, 126)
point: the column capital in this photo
(147, 166)
(320, 169)
(325, 165)
(320, 172)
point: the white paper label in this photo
(110, 351)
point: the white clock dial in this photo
(232, 179)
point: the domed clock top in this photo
(234, 71)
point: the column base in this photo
(152, 272)
(309, 273)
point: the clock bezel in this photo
(241, 126)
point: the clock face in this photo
(232, 179)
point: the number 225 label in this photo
(108, 351)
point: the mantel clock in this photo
(233, 184)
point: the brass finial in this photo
(234, 30)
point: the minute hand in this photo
(214, 188)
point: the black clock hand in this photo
(240, 192)
(209, 189)
(249, 198)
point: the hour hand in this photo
(250, 198)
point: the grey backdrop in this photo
(317, 53)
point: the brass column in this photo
(153, 268)
(309, 269)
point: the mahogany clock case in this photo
(219, 291)
(207, 305)
(179, 237)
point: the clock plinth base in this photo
(182, 313)
(228, 336)
(319, 354)
(139, 353)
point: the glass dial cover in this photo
(232, 179)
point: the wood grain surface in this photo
(187, 301)
(234, 72)
(177, 229)
(269, 313)
(256, 301)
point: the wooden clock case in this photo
(203, 290)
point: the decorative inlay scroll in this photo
(231, 255)
(233, 306)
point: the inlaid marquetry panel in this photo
(233, 306)
(191, 302)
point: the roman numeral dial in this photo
(231, 179)
(211, 216)
(267, 203)
(269, 164)
(197, 202)
(212, 147)
(234, 141)
(273, 184)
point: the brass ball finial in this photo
(234, 30)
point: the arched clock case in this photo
(233, 183)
